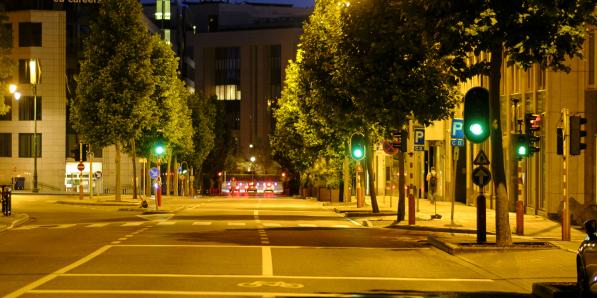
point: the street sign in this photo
(481, 176)
(389, 148)
(481, 159)
(419, 136)
(457, 142)
(419, 148)
(153, 173)
(81, 167)
(457, 132)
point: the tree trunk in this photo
(369, 162)
(176, 176)
(401, 213)
(502, 224)
(347, 179)
(118, 188)
(133, 150)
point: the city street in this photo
(241, 247)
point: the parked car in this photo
(586, 261)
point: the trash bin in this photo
(18, 183)
(6, 193)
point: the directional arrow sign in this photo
(481, 176)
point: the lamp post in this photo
(34, 76)
(159, 150)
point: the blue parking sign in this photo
(457, 131)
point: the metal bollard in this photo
(6, 200)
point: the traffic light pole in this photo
(565, 114)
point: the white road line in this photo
(341, 226)
(186, 293)
(274, 246)
(307, 225)
(267, 268)
(237, 224)
(97, 225)
(26, 227)
(271, 224)
(58, 272)
(202, 223)
(64, 226)
(166, 223)
(281, 277)
(132, 224)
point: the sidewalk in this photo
(462, 231)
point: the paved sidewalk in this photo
(463, 227)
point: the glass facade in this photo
(30, 34)
(26, 145)
(227, 73)
(26, 110)
(5, 145)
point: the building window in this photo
(8, 115)
(167, 36)
(591, 58)
(26, 109)
(26, 145)
(212, 23)
(24, 72)
(227, 73)
(275, 71)
(162, 10)
(29, 34)
(541, 78)
(5, 145)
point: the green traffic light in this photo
(357, 153)
(522, 151)
(159, 150)
(476, 129)
(357, 146)
(476, 115)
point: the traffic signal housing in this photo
(532, 123)
(476, 114)
(357, 146)
(520, 145)
(76, 153)
(577, 132)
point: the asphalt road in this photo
(246, 247)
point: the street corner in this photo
(97, 202)
(13, 221)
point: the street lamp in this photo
(12, 88)
(34, 79)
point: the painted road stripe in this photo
(202, 223)
(237, 224)
(274, 246)
(307, 225)
(97, 225)
(341, 226)
(372, 278)
(166, 223)
(267, 268)
(270, 224)
(64, 226)
(58, 272)
(132, 224)
(186, 293)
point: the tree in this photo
(223, 146)
(364, 70)
(521, 32)
(113, 104)
(204, 122)
(7, 64)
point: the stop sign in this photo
(81, 167)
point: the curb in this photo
(97, 203)
(455, 248)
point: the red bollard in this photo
(159, 196)
(411, 208)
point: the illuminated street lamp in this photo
(12, 88)
(34, 79)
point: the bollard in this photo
(481, 214)
(6, 200)
(411, 208)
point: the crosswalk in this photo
(231, 224)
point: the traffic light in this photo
(476, 114)
(532, 123)
(76, 153)
(520, 145)
(159, 150)
(576, 134)
(357, 146)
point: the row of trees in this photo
(129, 93)
(370, 66)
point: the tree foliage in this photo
(522, 33)
(7, 64)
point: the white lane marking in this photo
(26, 227)
(97, 225)
(237, 223)
(271, 224)
(341, 226)
(202, 223)
(166, 223)
(51, 276)
(64, 226)
(280, 277)
(267, 268)
(122, 239)
(275, 246)
(307, 225)
(186, 293)
(256, 212)
(132, 224)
